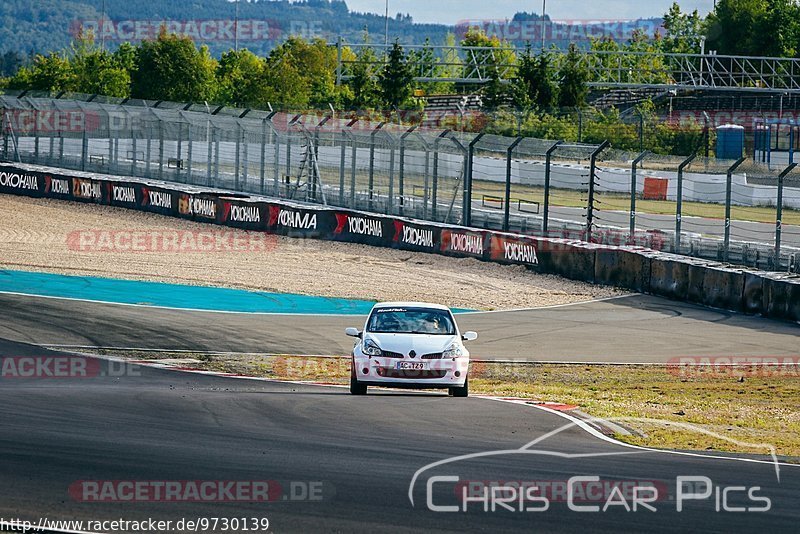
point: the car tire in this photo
(355, 387)
(462, 391)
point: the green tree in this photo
(494, 93)
(394, 81)
(52, 72)
(733, 27)
(365, 91)
(683, 31)
(172, 68)
(241, 79)
(316, 63)
(782, 24)
(534, 81)
(574, 76)
(96, 71)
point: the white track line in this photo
(194, 310)
(94, 301)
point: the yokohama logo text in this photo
(19, 181)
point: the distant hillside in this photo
(41, 26)
(46, 25)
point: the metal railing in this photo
(740, 212)
(477, 65)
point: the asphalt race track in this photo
(360, 454)
(653, 330)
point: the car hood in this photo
(420, 343)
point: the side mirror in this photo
(352, 332)
(469, 336)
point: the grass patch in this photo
(740, 404)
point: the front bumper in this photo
(383, 371)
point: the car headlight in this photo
(369, 348)
(453, 351)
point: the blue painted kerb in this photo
(175, 295)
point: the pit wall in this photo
(775, 295)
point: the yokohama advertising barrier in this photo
(645, 270)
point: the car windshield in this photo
(411, 321)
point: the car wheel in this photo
(355, 387)
(462, 391)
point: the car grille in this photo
(414, 375)
(390, 354)
(432, 356)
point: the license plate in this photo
(412, 366)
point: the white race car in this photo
(410, 345)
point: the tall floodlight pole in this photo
(386, 29)
(236, 28)
(544, 7)
(102, 32)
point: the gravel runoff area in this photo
(84, 239)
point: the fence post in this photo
(590, 202)
(426, 183)
(5, 135)
(435, 183)
(36, 135)
(634, 166)
(147, 155)
(390, 201)
(370, 192)
(546, 208)
(468, 193)
(237, 157)
(215, 135)
(262, 172)
(60, 147)
(779, 213)
(342, 156)
(160, 149)
(210, 158)
(641, 130)
(84, 150)
(401, 170)
(679, 202)
(289, 151)
(465, 153)
(245, 158)
(507, 198)
(728, 187)
(353, 155)
(179, 152)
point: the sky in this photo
(453, 11)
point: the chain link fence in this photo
(737, 211)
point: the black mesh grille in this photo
(432, 356)
(390, 354)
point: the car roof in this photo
(410, 305)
